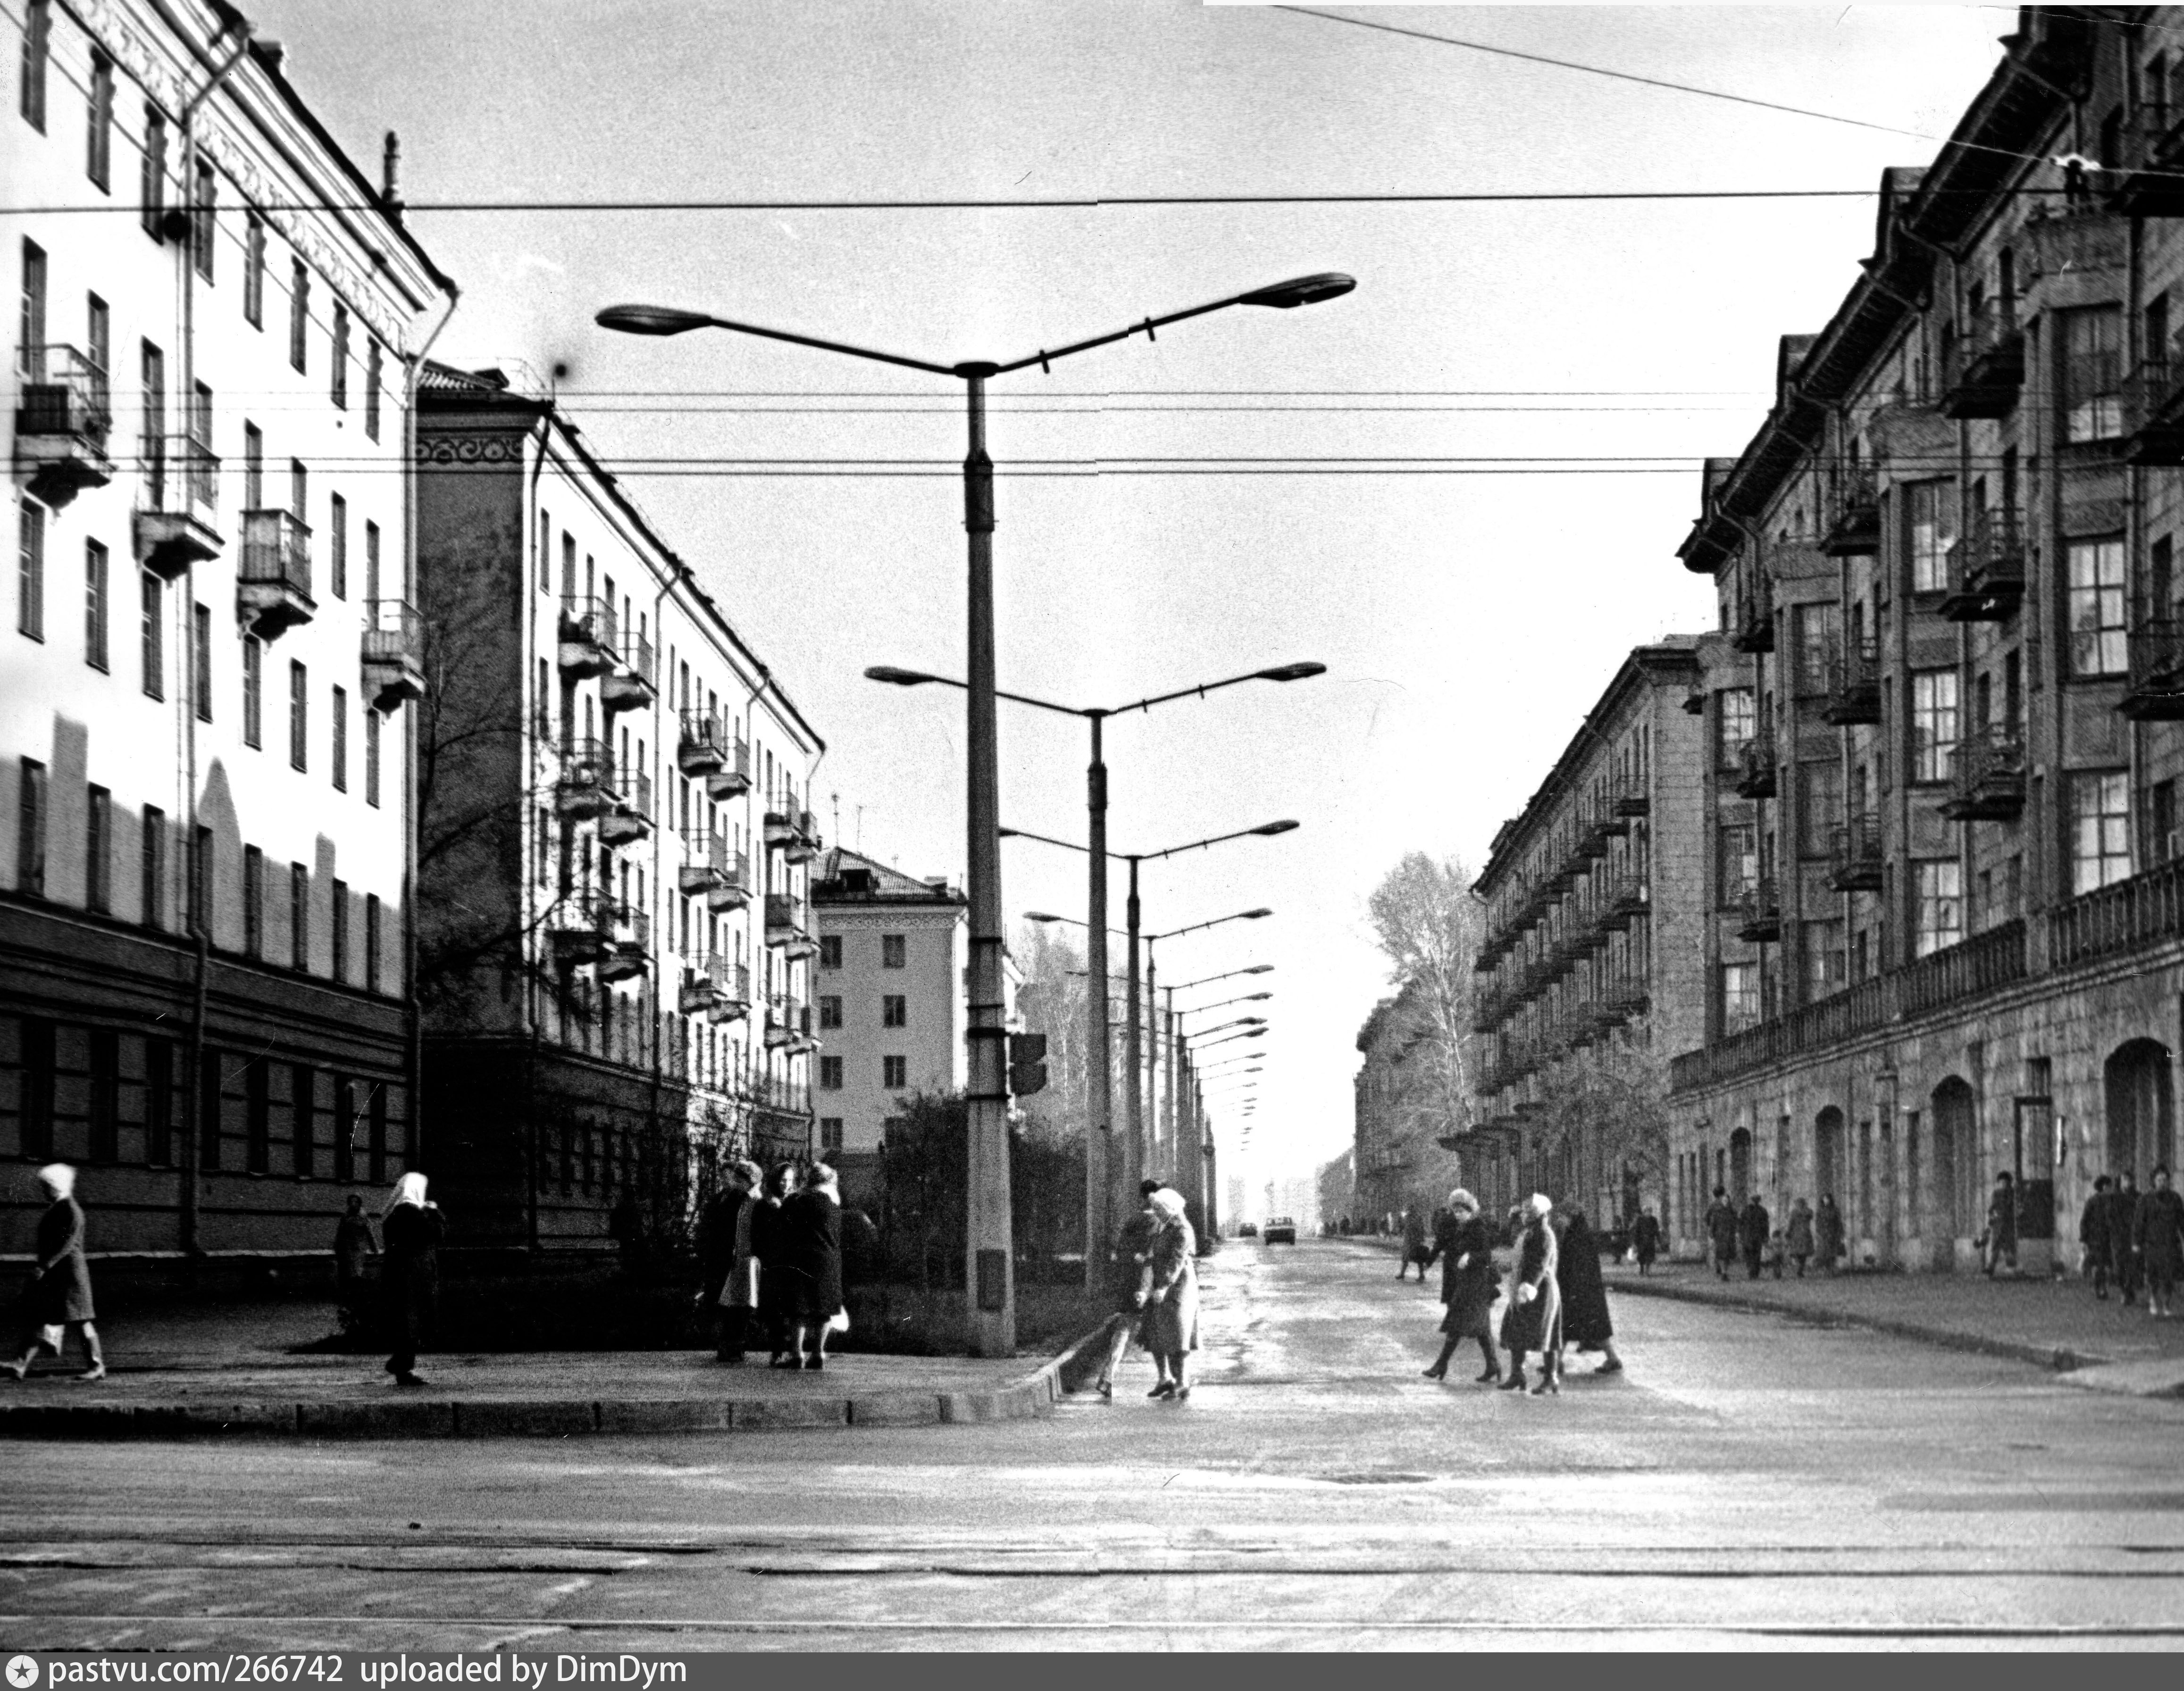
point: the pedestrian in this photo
(1129, 1282)
(408, 1273)
(1828, 1232)
(1585, 1294)
(1466, 1252)
(1533, 1321)
(735, 1297)
(1999, 1242)
(1723, 1228)
(1646, 1239)
(2158, 1232)
(354, 1247)
(2123, 1224)
(810, 1231)
(58, 1298)
(768, 1245)
(2095, 1252)
(1753, 1228)
(1798, 1238)
(1171, 1324)
(1415, 1249)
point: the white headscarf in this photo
(1538, 1206)
(1462, 1199)
(409, 1189)
(1167, 1204)
(60, 1179)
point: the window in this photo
(299, 916)
(1817, 629)
(372, 560)
(830, 952)
(303, 1099)
(204, 230)
(37, 53)
(31, 829)
(1824, 959)
(159, 1102)
(1736, 861)
(1736, 721)
(253, 270)
(98, 851)
(375, 1137)
(253, 690)
(1739, 995)
(152, 867)
(895, 1010)
(152, 363)
(372, 376)
(153, 591)
(2097, 608)
(105, 1100)
(300, 313)
(1935, 728)
(830, 1132)
(2162, 844)
(1929, 529)
(344, 1128)
(31, 569)
(338, 359)
(338, 754)
(299, 491)
(893, 951)
(94, 604)
(830, 1074)
(253, 901)
(31, 316)
(201, 633)
(372, 757)
(211, 1113)
(152, 182)
(338, 544)
(98, 347)
(371, 941)
(2100, 830)
(1938, 920)
(300, 716)
(2093, 374)
(830, 1011)
(257, 1115)
(200, 887)
(98, 136)
(895, 1073)
(337, 930)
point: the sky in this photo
(1333, 483)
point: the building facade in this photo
(205, 886)
(1945, 789)
(1597, 917)
(615, 946)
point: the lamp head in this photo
(1289, 672)
(1042, 916)
(1301, 290)
(1254, 998)
(1257, 969)
(1252, 1021)
(650, 319)
(1253, 915)
(895, 678)
(1271, 829)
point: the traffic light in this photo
(1027, 1063)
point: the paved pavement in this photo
(1753, 1479)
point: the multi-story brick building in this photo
(1949, 558)
(1596, 919)
(614, 940)
(203, 879)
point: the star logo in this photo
(22, 1672)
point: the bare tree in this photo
(1430, 926)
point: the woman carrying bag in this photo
(1171, 1324)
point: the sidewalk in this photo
(192, 1371)
(2056, 1324)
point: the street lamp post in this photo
(990, 1270)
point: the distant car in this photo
(1250, 1230)
(1281, 1230)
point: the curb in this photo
(2057, 1360)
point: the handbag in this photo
(838, 1321)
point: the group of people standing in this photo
(1745, 1233)
(771, 1248)
(1556, 1295)
(1154, 1283)
(2135, 1239)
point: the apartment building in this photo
(615, 939)
(1589, 978)
(892, 951)
(204, 685)
(1945, 787)
(1395, 1155)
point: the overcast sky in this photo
(1468, 620)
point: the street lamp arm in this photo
(895, 678)
(1301, 290)
(650, 319)
(1286, 672)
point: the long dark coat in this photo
(1828, 1230)
(62, 1291)
(2001, 1217)
(1646, 1238)
(716, 1241)
(1753, 1228)
(1129, 1276)
(2123, 1223)
(1798, 1237)
(767, 1245)
(1585, 1291)
(1722, 1225)
(810, 1230)
(1537, 1325)
(2093, 1228)
(1469, 1291)
(410, 1271)
(2159, 1232)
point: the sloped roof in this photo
(888, 885)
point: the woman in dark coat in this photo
(1129, 1281)
(1646, 1240)
(1535, 1317)
(59, 1297)
(769, 1245)
(2158, 1233)
(810, 1231)
(1466, 1252)
(1797, 1237)
(411, 1231)
(1828, 1232)
(1585, 1294)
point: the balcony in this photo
(704, 746)
(177, 523)
(1854, 695)
(1623, 1002)
(1984, 366)
(732, 778)
(1753, 627)
(586, 785)
(1632, 801)
(1854, 523)
(787, 1021)
(701, 985)
(1757, 765)
(628, 951)
(629, 819)
(1597, 824)
(734, 893)
(629, 685)
(795, 833)
(1759, 912)
(1625, 901)
(61, 425)
(2155, 690)
(1987, 571)
(581, 931)
(731, 993)
(2149, 181)
(273, 588)
(2153, 407)
(785, 928)
(393, 653)
(587, 644)
(1986, 778)
(1854, 855)
(705, 861)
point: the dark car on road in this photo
(1250, 1230)
(1281, 1230)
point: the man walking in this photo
(2001, 1224)
(1754, 1229)
(2123, 1226)
(2158, 1233)
(1646, 1239)
(1415, 1248)
(1722, 1228)
(2093, 1237)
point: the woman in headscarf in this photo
(1535, 1319)
(59, 1294)
(409, 1272)
(1171, 1324)
(739, 1295)
(1584, 1293)
(768, 1245)
(1466, 1250)
(810, 1231)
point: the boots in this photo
(1515, 1382)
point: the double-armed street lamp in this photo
(989, 1269)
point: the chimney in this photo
(390, 177)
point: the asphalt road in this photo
(1750, 1481)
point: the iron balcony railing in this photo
(1853, 525)
(1759, 911)
(2119, 917)
(276, 551)
(703, 745)
(1986, 569)
(1855, 695)
(1986, 776)
(2154, 689)
(590, 622)
(64, 396)
(1854, 854)
(394, 633)
(1757, 762)
(1983, 363)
